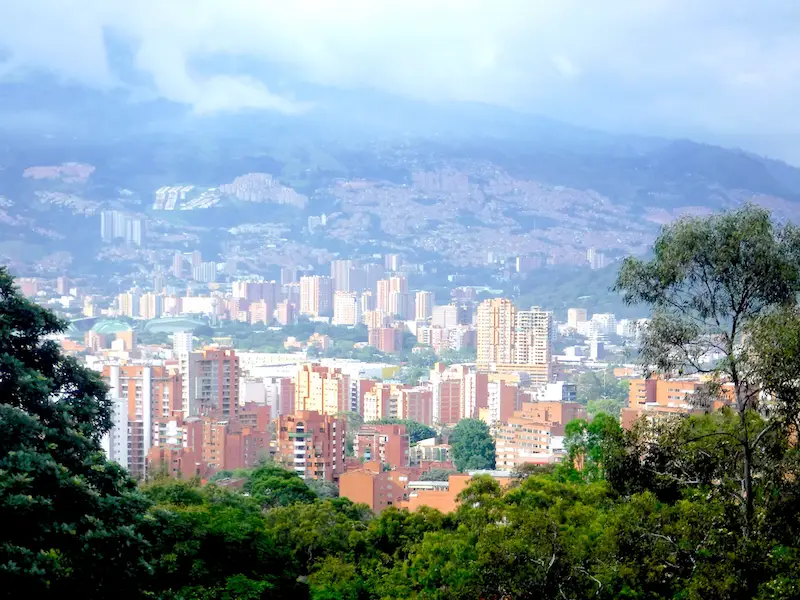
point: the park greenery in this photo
(698, 507)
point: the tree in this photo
(594, 386)
(472, 445)
(586, 443)
(275, 486)
(65, 510)
(436, 475)
(710, 282)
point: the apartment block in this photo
(509, 340)
(311, 444)
(372, 487)
(386, 444)
(534, 434)
(346, 309)
(316, 296)
(423, 305)
(142, 395)
(210, 382)
(322, 389)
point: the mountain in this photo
(444, 183)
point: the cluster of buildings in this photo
(117, 225)
(193, 413)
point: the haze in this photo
(719, 71)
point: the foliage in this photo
(712, 283)
(436, 474)
(587, 443)
(64, 508)
(593, 386)
(651, 512)
(274, 486)
(472, 445)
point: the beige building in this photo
(534, 434)
(385, 288)
(322, 389)
(515, 340)
(496, 321)
(346, 309)
(575, 316)
(423, 305)
(151, 306)
(316, 296)
(128, 304)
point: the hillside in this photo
(444, 184)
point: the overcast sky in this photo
(711, 69)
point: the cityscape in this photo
(379, 355)
(420, 300)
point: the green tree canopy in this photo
(272, 486)
(712, 283)
(472, 445)
(70, 519)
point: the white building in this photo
(182, 342)
(115, 441)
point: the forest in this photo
(701, 506)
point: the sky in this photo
(724, 71)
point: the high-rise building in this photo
(392, 262)
(28, 286)
(254, 291)
(115, 440)
(385, 288)
(380, 401)
(371, 274)
(596, 259)
(196, 258)
(496, 322)
(128, 304)
(311, 444)
(144, 396)
(503, 400)
(288, 275)
(107, 225)
(285, 313)
(399, 304)
(205, 272)
(385, 444)
(417, 404)
(511, 340)
(210, 382)
(444, 316)
(62, 286)
(182, 342)
(322, 389)
(341, 271)
(177, 265)
(367, 301)
(346, 309)
(117, 225)
(316, 296)
(260, 312)
(575, 316)
(151, 306)
(533, 339)
(133, 231)
(423, 305)
(386, 339)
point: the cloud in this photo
(711, 68)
